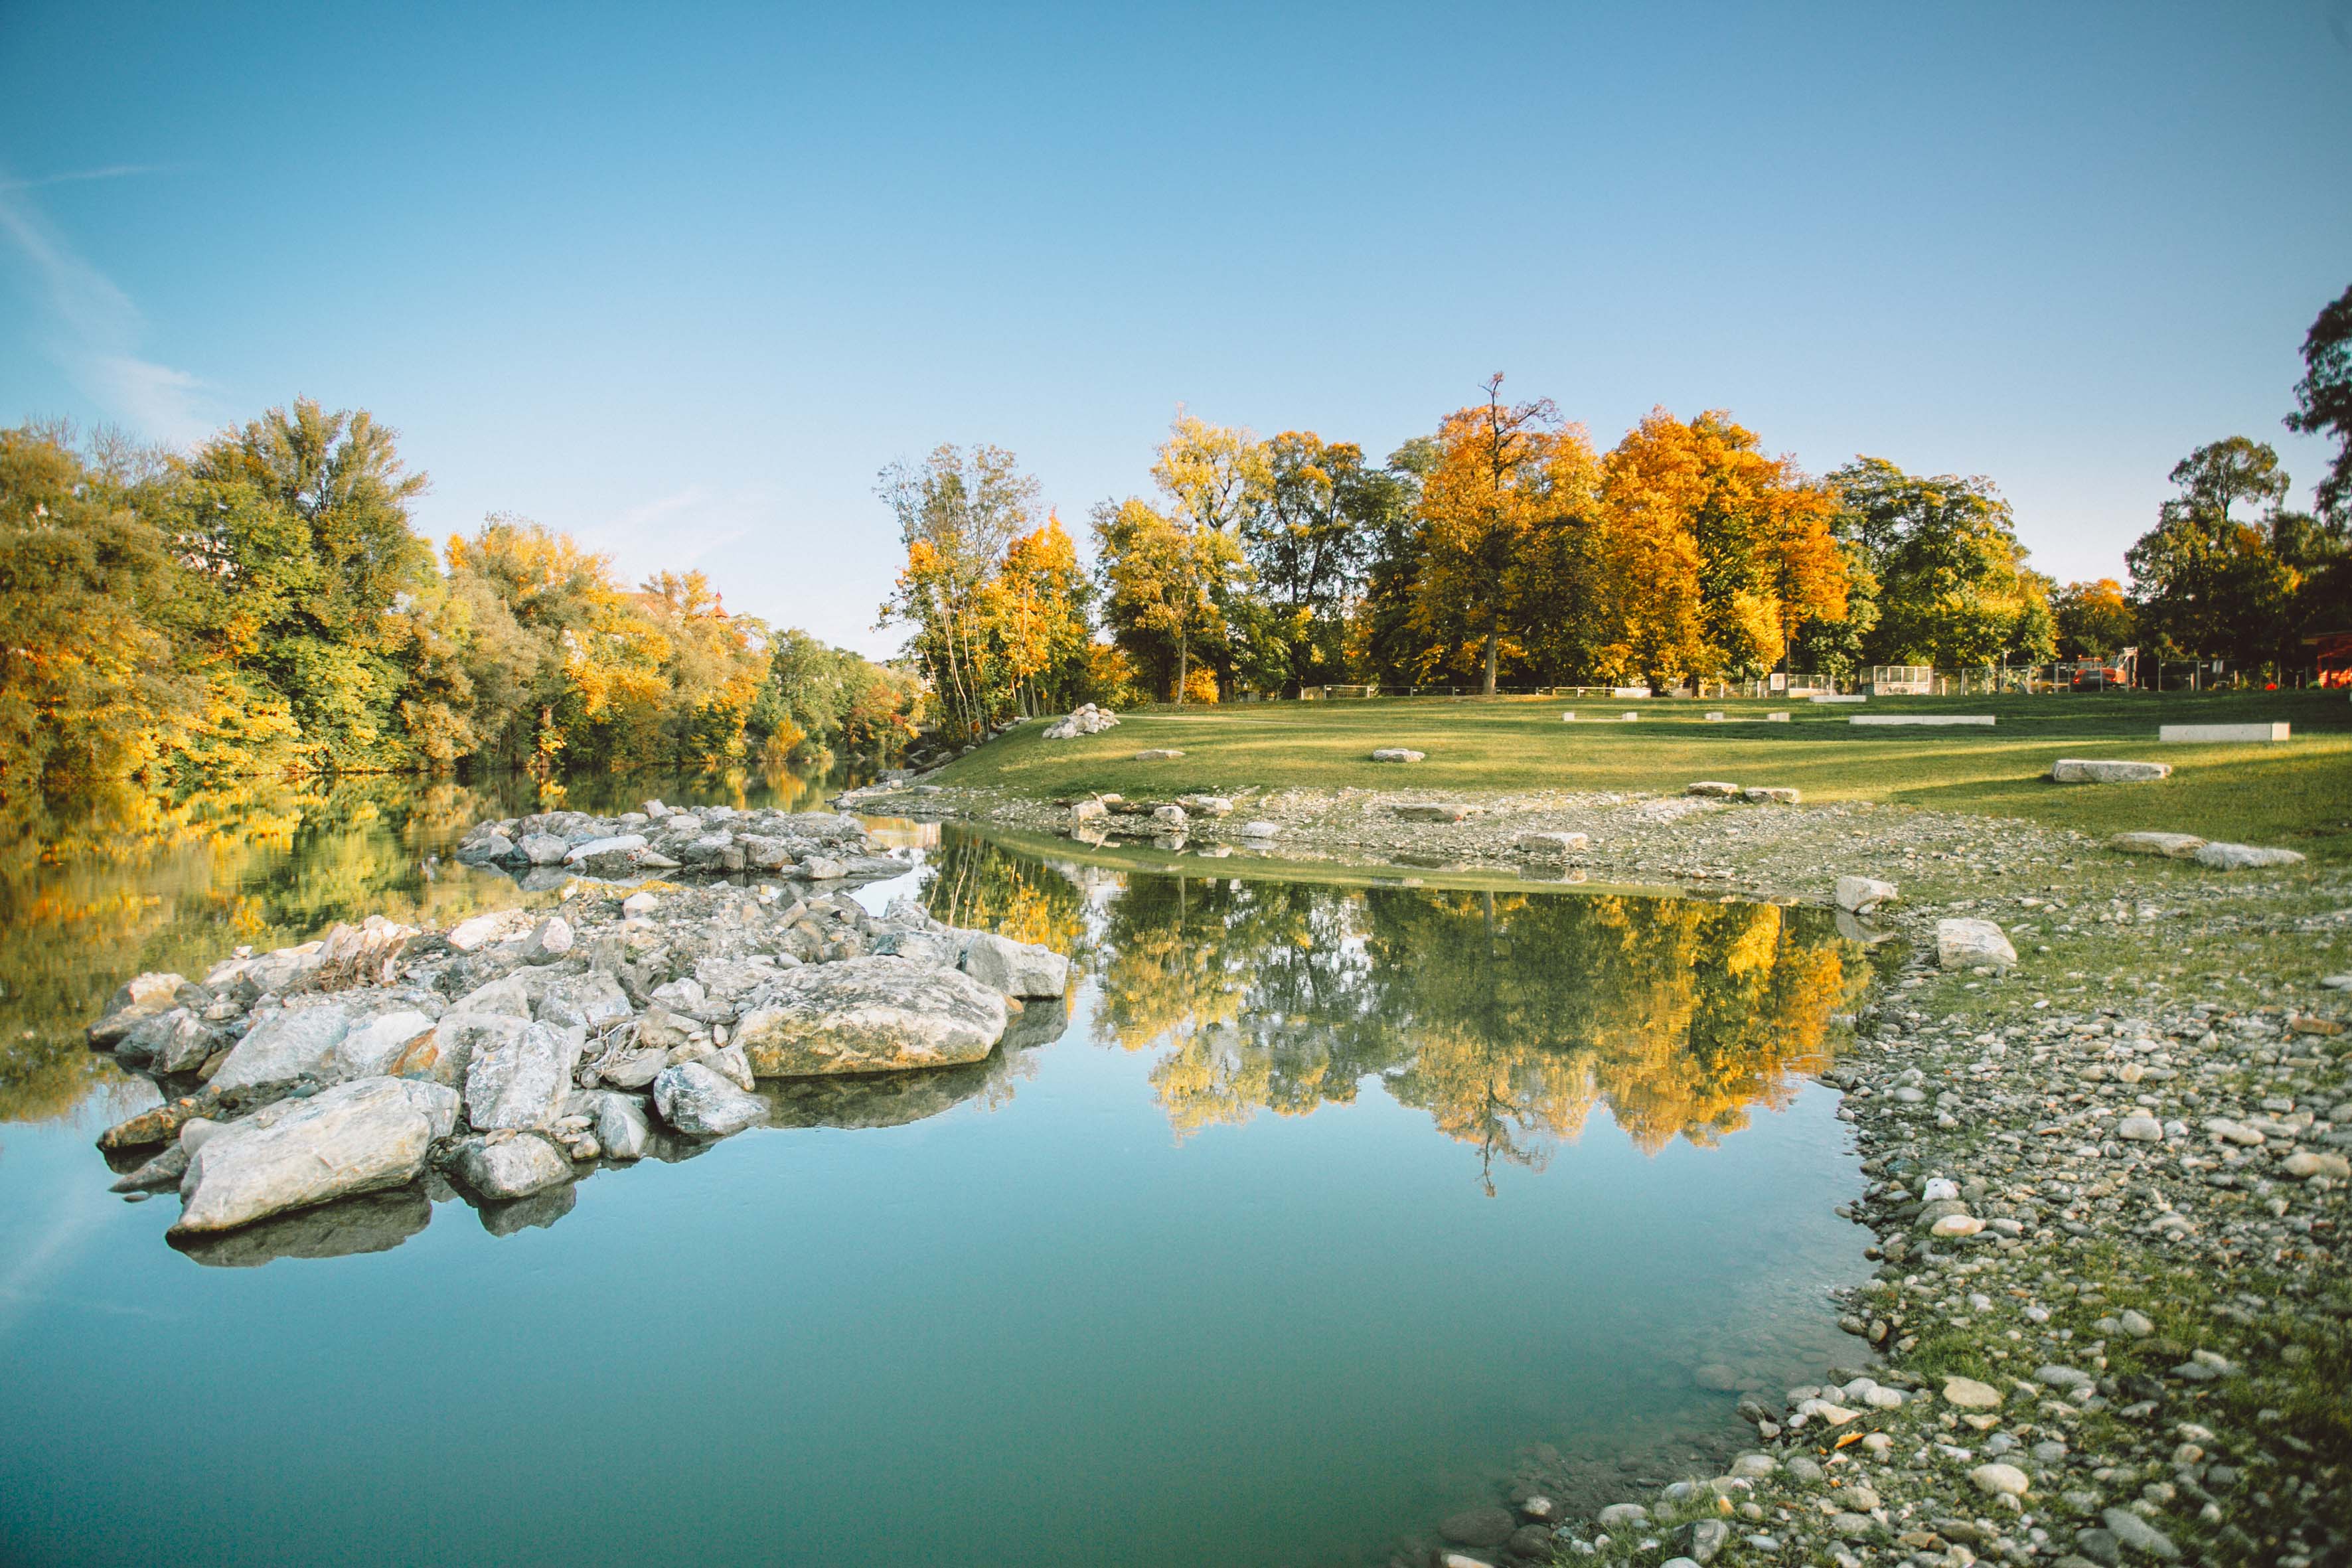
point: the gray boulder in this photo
(1863, 894)
(1972, 944)
(699, 1102)
(357, 1137)
(620, 1125)
(287, 1041)
(519, 1079)
(2086, 770)
(1016, 968)
(2243, 857)
(509, 1164)
(869, 1014)
(2172, 845)
(374, 1045)
(1397, 754)
(543, 848)
(592, 1002)
(136, 999)
(444, 1055)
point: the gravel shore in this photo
(2109, 1321)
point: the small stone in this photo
(1617, 1515)
(2304, 1163)
(1956, 1225)
(2000, 1481)
(1860, 895)
(1159, 754)
(2139, 1535)
(2140, 1129)
(1967, 1393)
(639, 904)
(2135, 1323)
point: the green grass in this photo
(2297, 794)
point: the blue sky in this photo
(679, 280)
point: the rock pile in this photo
(1085, 720)
(549, 848)
(515, 1051)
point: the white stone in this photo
(1829, 699)
(1261, 829)
(520, 1079)
(2000, 1481)
(592, 1002)
(2087, 770)
(1777, 718)
(1927, 721)
(595, 847)
(1552, 843)
(1159, 754)
(1967, 1393)
(356, 1137)
(480, 930)
(869, 1014)
(2243, 857)
(550, 940)
(639, 904)
(1397, 754)
(697, 1100)
(375, 1045)
(1969, 944)
(1016, 968)
(2140, 1129)
(286, 1042)
(1956, 1225)
(2178, 734)
(510, 1165)
(1770, 794)
(1863, 894)
(1711, 787)
(2173, 845)
(620, 1125)
(543, 848)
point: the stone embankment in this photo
(516, 1051)
(2105, 1144)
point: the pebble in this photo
(2000, 1481)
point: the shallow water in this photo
(1325, 1211)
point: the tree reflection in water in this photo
(1507, 1017)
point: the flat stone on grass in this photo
(2097, 770)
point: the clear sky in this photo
(680, 279)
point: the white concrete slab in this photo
(1926, 721)
(2178, 733)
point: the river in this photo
(1332, 1205)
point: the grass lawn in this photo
(2297, 792)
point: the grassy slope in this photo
(2297, 794)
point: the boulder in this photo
(1770, 794)
(2242, 857)
(357, 1137)
(1551, 843)
(1087, 811)
(2085, 770)
(519, 1079)
(1261, 829)
(1159, 754)
(2173, 845)
(287, 1041)
(1397, 754)
(1715, 788)
(620, 1125)
(141, 996)
(550, 940)
(472, 934)
(543, 848)
(443, 1056)
(1972, 944)
(592, 1002)
(869, 1014)
(613, 844)
(1206, 804)
(1088, 719)
(374, 1045)
(1016, 968)
(509, 1164)
(1435, 811)
(697, 1101)
(1863, 894)
(1171, 818)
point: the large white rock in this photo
(356, 1137)
(1863, 894)
(141, 996)
(592, 1002)
(1397, 754)
(1016, 968)
(2087, 770)
(543, 848)
(869, 1014)
(287, 1041)
(697, 1101)
(620, 1125)
(512, 1165)
(2243, 857)
(478, 931)
(1972, 944)
(374, 1045)
(520, 1079)
(443, 1056)
(2174, 846)
(595, 847)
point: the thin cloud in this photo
(676, 531)
(76, 176)
(93, 328)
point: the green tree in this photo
(2205, 582)
(2322, 404)
(1953, 586)
(1311, 542)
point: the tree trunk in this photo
(1494, 641)
(1183, 666)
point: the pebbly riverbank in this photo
(2106, 1153)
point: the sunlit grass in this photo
(2297, 792)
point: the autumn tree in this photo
(957, 514)
(2092, 620)
(1482, 504)
(1166, 583)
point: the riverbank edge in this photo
(1930, 1479)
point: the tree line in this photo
(264, 604)
(1505, 548)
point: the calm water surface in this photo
(1325, 1210)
